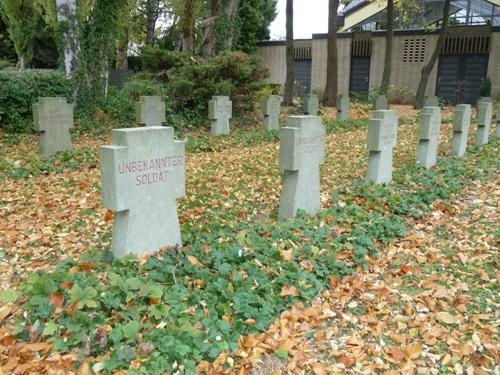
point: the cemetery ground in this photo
(393, 278)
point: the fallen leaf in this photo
(346, 361)
(413, 351)
(289, 290)
(446, 318)
(194, 261)
(319, 369)
(334, 282)
(5, 310)
(108, 216)
(287, 255)
(84, 369)
(57, 299)
(37, 347)
(397, 354)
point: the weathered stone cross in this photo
(484, 117)
(150, 111)
(310, 104)
(430, 126)
(431, 101)
(461, 125)
(53, 118)
(382, 134)
(271, 108)
(143, 172)
(343, 102)
(381, 102)
(497, 129)
(302, 150)
(220, 110)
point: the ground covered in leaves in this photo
(68, 305)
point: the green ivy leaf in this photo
(9, 296)
(131, 329)
(282, 353)
(83, 297)
(50, 328)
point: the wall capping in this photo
(382, 33)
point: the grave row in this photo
(143, 171)
(53, 116)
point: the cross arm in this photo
(111, 189)
(288, 139)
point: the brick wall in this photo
(319, 57)
(407, 73)
(406, 66)
(274, 58)
(494, 64)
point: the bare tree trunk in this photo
(66, 13)
(21, 63)
(121, 51)
(332, 64)
(386, 78)
(426, 70)
(184, 40)
(209, 40)
(152, 16)
(232, 9)
(290, 61)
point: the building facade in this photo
(471, 53)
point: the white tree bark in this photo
(66, 14)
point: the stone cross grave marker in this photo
(220, 110)
(497, 129)
(461, 125)
(310, 104)
(431, 101)
(382, 134)
(484, 118)
(430, 126)
(271, 108)
(302, 150)
(150, 111)
(142, 173)
(484, 99)
(342, 105)
(53, 118)
(381, 102)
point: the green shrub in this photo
(235, 74)
(159, 61)
(20, 89)
(190, 86)
(119, 103)
(400, 95)
(485, 89)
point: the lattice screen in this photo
(414, 50)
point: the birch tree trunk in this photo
(66, 13)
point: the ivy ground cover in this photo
(68, 303)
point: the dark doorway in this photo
(460, 77)
(360, 76)
(303, 76)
